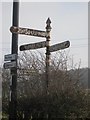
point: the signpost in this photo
(59, 46)
(26, 31)
(33, 46)
(37, 45)
(10, 57)
(13, 57)
(9, 65)
(48, 29)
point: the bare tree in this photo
(66, 98)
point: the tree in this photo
(66, 98)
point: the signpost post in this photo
(48, 29)
(13, 90)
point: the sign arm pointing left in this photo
(26, 31)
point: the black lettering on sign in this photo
(27, 31)
(33, 46)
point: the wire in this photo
(73, 45)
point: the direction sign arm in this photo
(33, 46)
(59, 46)
(26, 31)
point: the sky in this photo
(69, 22)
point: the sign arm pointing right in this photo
(59, 46)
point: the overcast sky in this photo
(69, 22)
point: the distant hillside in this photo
(81, 75)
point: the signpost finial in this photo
(48, 27)
(48, 21)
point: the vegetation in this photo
(66, 96)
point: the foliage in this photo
(66, 97)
